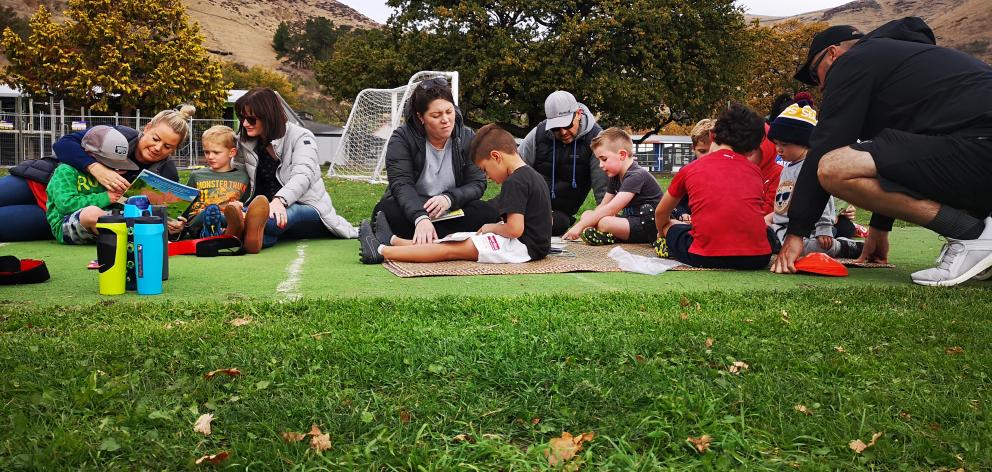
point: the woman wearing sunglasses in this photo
(290, 200)
(22, 192)
(430, 172)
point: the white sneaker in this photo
(959, 261)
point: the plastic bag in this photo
(641, 264)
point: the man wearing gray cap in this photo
(558, 148)
(905, 131)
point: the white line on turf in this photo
(290, 288)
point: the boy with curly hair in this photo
(725, 196)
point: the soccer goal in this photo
(361, 155)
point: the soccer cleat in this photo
(959, 261)
(235, 222)
(383, 232)
(660, 246)
(368, 245)
(211, 222)
(595, 237)
(849, 249)
(255, 219)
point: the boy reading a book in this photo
(523, 204)
(221, 185)
(76, 199)
(631, 191)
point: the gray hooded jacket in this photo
(300, 176)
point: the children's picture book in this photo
(161, 191)
(450, 215)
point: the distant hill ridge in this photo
(239, 30)
(960, 24)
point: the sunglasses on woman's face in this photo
(251, 120)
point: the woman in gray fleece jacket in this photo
(281, 160)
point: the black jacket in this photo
(405, 156)
(896, 78)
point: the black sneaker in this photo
(595, 237)
(368, 245)
(849, 249)
(382, 230)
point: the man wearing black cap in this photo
(905, 131)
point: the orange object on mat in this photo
(821, 264)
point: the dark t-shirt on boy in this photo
(638, 181)
(525, 192)
(726, 198)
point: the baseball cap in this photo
(559, 107)
(109, 147)
(824, 39)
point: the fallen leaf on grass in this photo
(785, 317)
(565, 447)
(292, 436)
(683, 301)
(684, 316)
(463, 438)
(709, 343)
(320, 442)
(802, 409)
(404, 416)
(738, 367)
(701, 443)
(173, 324)
(214, 459)
(954, 350)
(859, 446)
(904, 415)
(535, 421)
(213, 373)
(839, 348)
(202, 424)
(240, 321)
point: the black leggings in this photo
(477, 213)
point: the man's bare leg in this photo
(851, 175)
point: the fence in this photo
(30, 136)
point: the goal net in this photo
(361, 154)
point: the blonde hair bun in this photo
(187, 111)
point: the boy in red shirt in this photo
(726, 198)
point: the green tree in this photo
(621, 58)
(242, 77)
(304, 42)
(137, 53)
(774, 55)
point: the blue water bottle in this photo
(134, 207)
(148, 249)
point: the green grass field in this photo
(455, 373)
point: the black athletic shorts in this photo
(641, 221)
(679, 240)
(949, 169)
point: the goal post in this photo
(361, 154)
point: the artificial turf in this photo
(454, 373)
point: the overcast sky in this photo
(378, 11)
